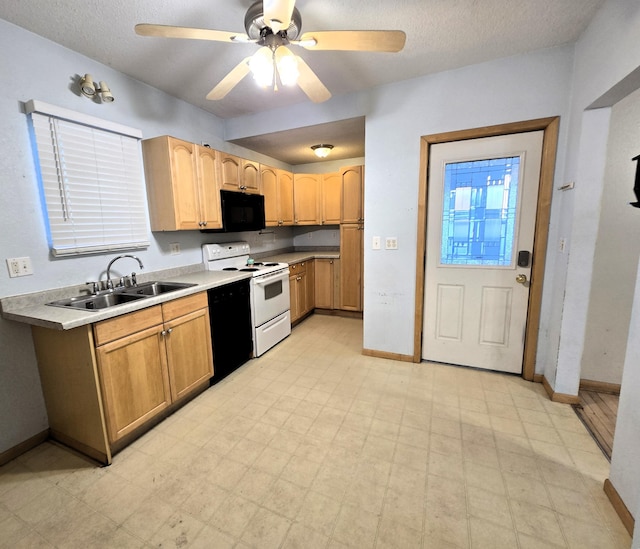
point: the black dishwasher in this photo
(230, 316)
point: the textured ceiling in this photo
(441, 35)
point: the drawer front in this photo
(298, 268)
(121, 326)
(184, 305)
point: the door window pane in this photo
(479, 212)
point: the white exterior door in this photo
(481, 215)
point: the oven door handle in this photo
(259, 280)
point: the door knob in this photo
(521, 279)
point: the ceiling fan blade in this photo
(230, 81)
(310, 83)
(372, 40)
(277, 13)
(168, 31)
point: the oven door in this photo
(269, 296)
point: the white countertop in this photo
(32, 308)
(61, 318)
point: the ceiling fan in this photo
(274, 25)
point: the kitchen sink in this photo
(155, 288)
(119, 296)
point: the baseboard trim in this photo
(538, 378)
(600, 386)
(563, 398)
(23, 447)
(618, 505)
(390, 356)
(338, 312)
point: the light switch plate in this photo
(375, 243)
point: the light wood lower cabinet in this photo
(301, 289)
(102, 383)
(351, 263)
(327, 283)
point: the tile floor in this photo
(314, 445)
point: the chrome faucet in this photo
(133, 275)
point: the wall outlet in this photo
(175, 248)
(375, 243)
(19, 266)
(391, 243)
(562, 244)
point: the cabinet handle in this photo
(204, 223)
(299, 278)
(166, 332)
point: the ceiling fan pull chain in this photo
(275, 70)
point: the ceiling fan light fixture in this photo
(322, 150)
(261, 66)
(287, 67)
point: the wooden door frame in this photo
(550, 128)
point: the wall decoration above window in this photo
(91, 181)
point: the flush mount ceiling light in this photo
(322, 151)
(100, 92)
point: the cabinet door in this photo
(210, 214)
(285, 197)
(351, 242)
(294, 308)
(331, 195)
(185, 184)
(352, 195)
(324, 269)
(134, 380)
(310, 286)
(189, 352)
(305, 197)
(230, 169)
(250, 177)
(269, 177)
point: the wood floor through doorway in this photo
(598, 412)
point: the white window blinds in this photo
(92, 183)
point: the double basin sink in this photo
(119, 296)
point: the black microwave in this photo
(241, 212)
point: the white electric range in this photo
(269, 289)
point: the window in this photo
(90, 173)
(479, 212)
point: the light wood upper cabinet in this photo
(238, 174)
(331, 198)
(182, 186)
(208, 188)
(277, 187)
(352, 194)
(306, 189)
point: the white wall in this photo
(617, 250)
(519, 88)
(625, 459)
(607, 52)
(34, 68)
